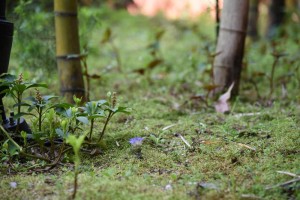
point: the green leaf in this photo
(12, 149)
(37, 85)
(31, 98)
(122, 110)
(83, 119)
(60, 132)
(21, 104)
(102, 102)
(49, 97)
(75, 142)
(19, 115)
(97, 115)
(68, 113)
(8, 77)
(19, 88)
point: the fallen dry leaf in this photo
(222, 104)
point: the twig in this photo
(184, 140)
(284, 184)
(246, 114)
(289, 174)
(167, 127)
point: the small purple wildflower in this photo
(136, 141)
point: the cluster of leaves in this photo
(54, 125)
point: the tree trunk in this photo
(230, 45)
(276, 17)
(68, 50)
(253, 19)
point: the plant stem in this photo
(75, 183)
(117, 54)
(40, 110)
(19, 97)
(86, 73)
(91, 129)
(106, 122)
(34, 156)
(272, 76)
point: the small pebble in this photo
(168, 187)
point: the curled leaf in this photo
(222, 104)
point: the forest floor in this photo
(189, 151)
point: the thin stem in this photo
(272, 76)
(88, 84)
(117, 54)
(34, 156)
(256, 88)
(52, 165)
(19, 99)
(106, 122)
(40, 112)
(75, 183)
(91, 129)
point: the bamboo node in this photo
(65, 14)
(222, 66)
(70, 57)
(233, 30)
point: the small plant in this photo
(92, 110)
(158, 140)
(8, 150)
(276, 57)
(15, 88)
(41, 105)
(52, 124)
(76, 144)
(111, 107)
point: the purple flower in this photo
(136, 141)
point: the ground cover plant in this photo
(173, 144)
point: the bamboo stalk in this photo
(68, 49)
(228, 63)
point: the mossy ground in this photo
(231, 156)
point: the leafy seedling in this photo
(76, 144)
